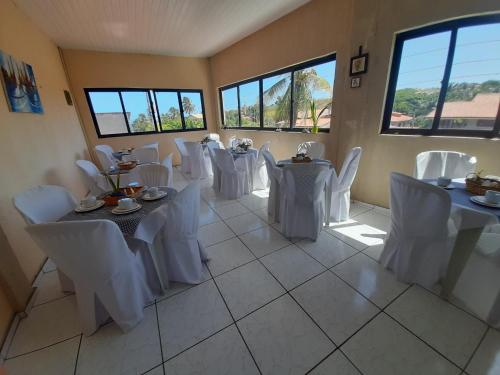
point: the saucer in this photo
(98, 204)
(119, 211)
(160, 195)
(479, 199)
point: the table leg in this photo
(464, 246)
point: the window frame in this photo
(452, 26)
(151, 95)
(290, 69)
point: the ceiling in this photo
(197, 28)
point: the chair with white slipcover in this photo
(302, 206)
(118, 286)
(145, 155)
(232, 142)
(338, 195)
(275, 175)
(105, 155)
(196, 160)
(234, 181)
(182, 254)
(452, 164)
(315, 150)
(422, 234)
(90, 175)
(260, 177)
(185, 162)
(167, 163)
(152, 174)
(211, 146)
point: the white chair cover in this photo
(339, 187)
(107, 275)
(260, 177)
(421, 239)
(215, 169)
(105, 155)
(146, 155)
(152, 174)
(434, 164)
(234, 181)
(275, 174)
(302, 208)
(214, 137)
(232, 141)
(181, 254)
(185, 162)
(315, 150)
(167, 163)
(196, 160)
(90, 175)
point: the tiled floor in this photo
(268, 306)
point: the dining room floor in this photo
(269, 305)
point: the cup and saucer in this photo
(153, 193)
(490, 199)
(126, 206)
(444, 182)
(89, 203)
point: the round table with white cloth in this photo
(281, 163)
(247, 161)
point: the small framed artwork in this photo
(355, 82)
(359, 64)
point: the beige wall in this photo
(88, 69)
(34, 149)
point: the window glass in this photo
(108, 112)
(193, 111)
(277, 100)
(249, 104)
(169, 111)
(230, 107)
(138, 111)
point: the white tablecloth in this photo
(248, 162)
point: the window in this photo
(282, 99)
(445, 80)
(121, 112)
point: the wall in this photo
(88, 69)
(34, 149)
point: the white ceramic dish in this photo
(98, 204)
(479, 199)
(160, 195)
(119, 211)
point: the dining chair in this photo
(105, 156)
(118, 286)
(152, 174)
(185, 162)
(338, 192)
(234, 181)
(260, 176)
(422, 235)
(315, 150)
(232, 142)
(197, 160)
(452, 164)
(145, 155)
(302, 206)
(275, 175)
(211, 146)
(90, 174)
(167, 163)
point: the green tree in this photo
(142, 123)
(188, 105)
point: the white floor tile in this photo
(156, 371)
(384, 347)
(223, 353)
(262, 213)
(247, 288)
(374, 251)
(45, 325)
(227, 255)
(291, 266)
(358, 235)
(56, 359)
(230, 210)
(245, 223)
(375, 219)
(264, 241)
(176, 288)
(191, 316)
(452, 332)
(254, 201)
(213, 233)
(283, 339)
(327, 249)
(486, 360)
(337, 308)
(370, 279)
(216, 201)
(48, 288)
(207, 215)
(110, 351)
(358, 208)
(335, 364)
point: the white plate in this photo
(118, 211)
(479, 199)
(449, 187)
(147, 197)
(98, 204)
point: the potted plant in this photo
(116, 194)
(315, 116)
(244, 144)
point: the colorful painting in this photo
(19, 84)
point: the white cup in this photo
(89, 201)
(153, 191)
(492, 196)
(443, 181)
(125, 203)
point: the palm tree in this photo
(187, 105)
(306, 82)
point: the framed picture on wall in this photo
(359, 64)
